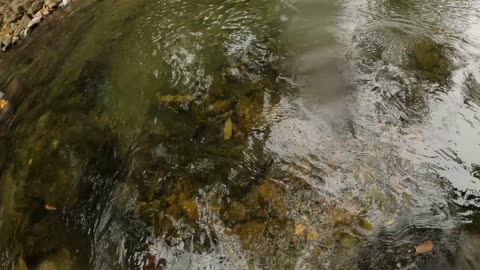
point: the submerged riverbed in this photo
(243, 134)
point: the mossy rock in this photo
(430, 58)
(189, 208)
(347, 240)
(250, 233)
(238, 212)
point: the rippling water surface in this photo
(243, 134)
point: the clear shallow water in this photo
(243, 135)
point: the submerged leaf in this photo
(228, 129)
(50, 207)
(390, 222)
(3, 103)
(348, 240)
(425, 247)
(366, 224)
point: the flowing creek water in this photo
(240, 134)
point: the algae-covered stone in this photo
(175, 99)
(172, 199)
(347, 240)
(176, 103)
(60, 260)
(233, 74)
(21, 264)
(189, 207)
(269, 191)
(174, 210)
(250, 233)
(366, 224)
(315, 234)
(430, 57)
(274, 196)
(47, 265)
(340, 216)
(238, 212)
(221, 106)
(139, 209)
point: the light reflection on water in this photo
(353, 137)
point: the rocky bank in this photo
(19, 17)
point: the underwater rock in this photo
(60, 260)
(189, 207)
(430, 57)
(247, 110)
(139, 209)
(468, 257)
(346, 239)
(274, 196)
(175, 99)
(367, 225)
(250, 233)
(220, 106)
(178, 103)
(233, 74)
(47, 265)
(174, 210)
(21, 264)
(238, 212)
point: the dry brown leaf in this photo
(3, 103)
(50, 207)
(425, 247)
